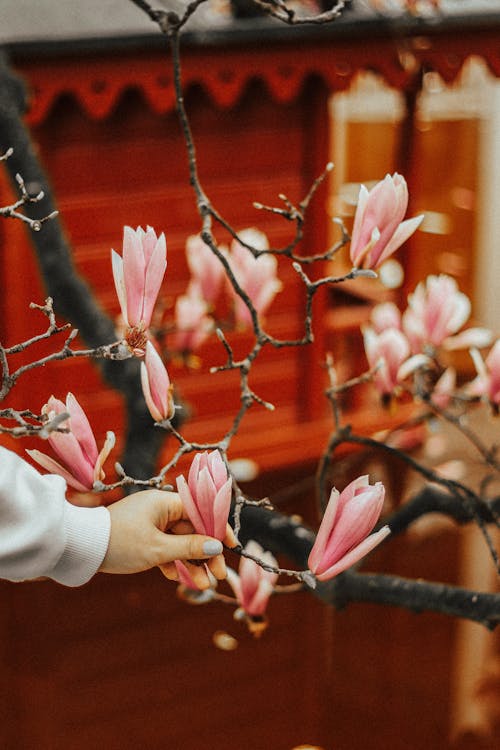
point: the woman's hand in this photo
(151, 528)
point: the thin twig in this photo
(278, 9)
(12, 212)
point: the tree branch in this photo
(282, 535)
(415, 596)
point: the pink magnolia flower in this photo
(385, 315)
(379, 229)
(206, 269)
(185, 577)
(487, 383)
(436, 310)
(386, 351)
(445, 387)
(206, 495)
(138, 274)
(408, 438)
(256, 276)
(156, 385)
(193, 324)
(76, 448)
(253, 585)
(343, 536)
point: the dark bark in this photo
(414, 595)
(433, 500)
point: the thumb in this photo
(188, 547)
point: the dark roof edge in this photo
(257, 32)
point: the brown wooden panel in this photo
(446, 182)
(126, 664)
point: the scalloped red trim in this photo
(97, 83)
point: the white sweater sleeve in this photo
(41, 533)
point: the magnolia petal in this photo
(257, 276)
(185, 577)
(134, 274)
(194, 252)
(106, 449)
(352, 489)
(81, 429)
(158, 381)
(205, 267)
(444, 388)
(382, 378)
(54, 405)
(203, 464)
(364, 255)
(256, 606)
(194, 470)
(412, 365)
(242, 313)
(218, 468)
(234, 581)
(493, 358)
(190, 505)
(117, 267)
(266, 294)
(221, 508)
(68, 449)
(447, 382)
(155, 272)
(146, 391)
(253, 237)
(355, 554)
(364, 509)
(386, 352)
(394, 347)
(461, 312)
(253, 548)
(370, 339)
(255, 583)
(324, 531)
(414, 329)
(356, 242)
(477, 387)
(192, 323)
(479, 363)
(269, 575)
(205, 497)
(249, 573)
(477, 337)
(383, 203)
(149, 241)
(401, 188)
(385, 315)
(55, 468)
(402, 233)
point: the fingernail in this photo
(212, 547)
